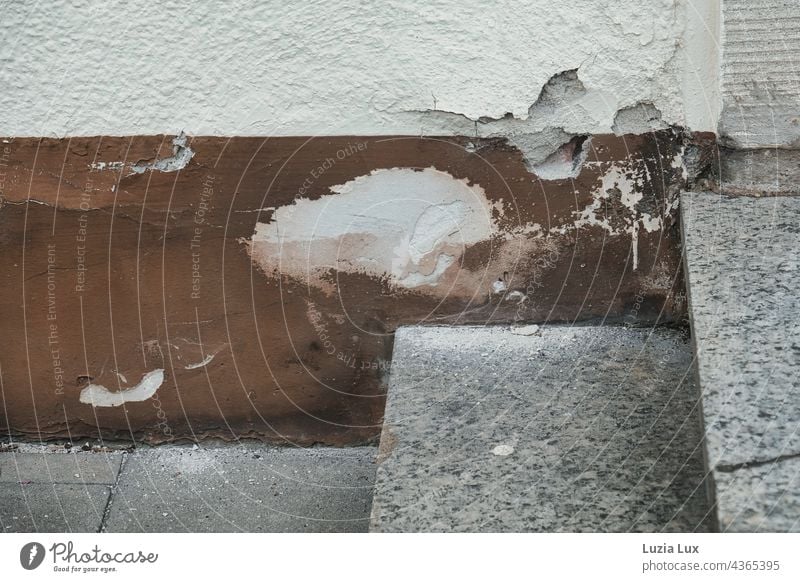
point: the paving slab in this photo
(743, 281)
(52, 508)
(244, 488)
(47, 467)
(556, 429)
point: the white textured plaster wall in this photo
(312, 68)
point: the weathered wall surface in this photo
(177, 261)
(254, 292)
(321, 68)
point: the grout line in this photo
(111, 493)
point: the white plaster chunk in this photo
(98, 395)
(408, 225)
(526, 330)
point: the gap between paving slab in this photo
(46, 488)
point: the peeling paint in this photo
(102, 166)
(519, 296)
(98, 395)
(181, 154)
(410, 226)
(614, 206)
(499, 287)
(639, 118)
(207, 360)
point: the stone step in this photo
(743, 279)
(555, 428)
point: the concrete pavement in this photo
(218, 487)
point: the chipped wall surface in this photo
(254, 290)
(320, 68)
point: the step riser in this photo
(743, 277)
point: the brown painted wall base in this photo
(114, 266)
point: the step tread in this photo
(602, 421)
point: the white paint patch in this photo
(517, 296)
(265, 209)
(502, 450)
(98, 395)
(627, 183)
(499, 287)
(101, 166)
(410, 226)
(181, 154)
(205, 362)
